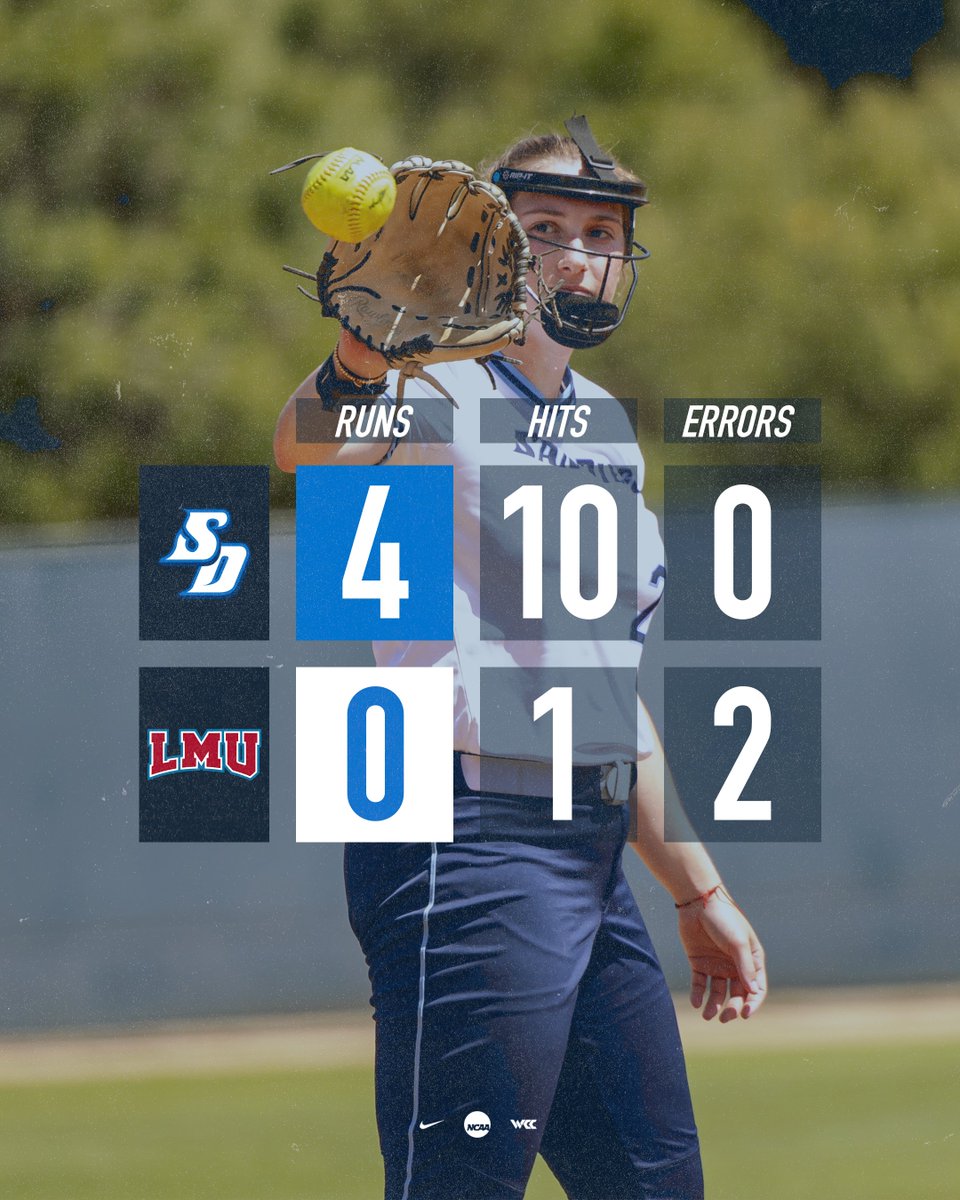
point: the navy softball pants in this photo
(515, 987)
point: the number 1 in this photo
(559, 701)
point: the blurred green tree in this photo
(804, 242)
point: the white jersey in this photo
(619, 463)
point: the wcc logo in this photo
(220, 567)
(204, 740)
(204, 536)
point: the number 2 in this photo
(728, 806)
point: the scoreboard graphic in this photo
(538, 638)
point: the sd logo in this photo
(221, 566)
(204, 536)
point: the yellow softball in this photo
(348, 194)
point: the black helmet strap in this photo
(599, 163)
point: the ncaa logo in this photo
(476, 1124)
(220, 566)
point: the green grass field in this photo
(865, 1123)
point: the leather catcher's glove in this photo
(443, 279)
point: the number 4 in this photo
(388, 588)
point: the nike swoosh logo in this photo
(432, 1123)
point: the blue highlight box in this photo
(360, 525)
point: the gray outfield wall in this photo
(95, 927)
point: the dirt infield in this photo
(793, 1019)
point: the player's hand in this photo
(726, 959)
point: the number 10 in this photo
(528, 500)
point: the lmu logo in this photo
(233, 750)
(220, 566)
(204, 754)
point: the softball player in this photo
(519, 1004)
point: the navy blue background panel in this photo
(843, 40)
(204, 754)
(167, 497)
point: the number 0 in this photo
(359, 756)
(761, 551)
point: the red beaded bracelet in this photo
(702, 898)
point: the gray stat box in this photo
(605, 558)
(599, 420)
(603, 713)
(691, 608)
(702, 750)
